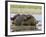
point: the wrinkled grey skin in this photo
(26, 20)
(20, 19)
(30, 22)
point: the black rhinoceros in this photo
(26, 20)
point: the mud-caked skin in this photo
(20, 19)
(26, 20)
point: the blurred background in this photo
(35, 11)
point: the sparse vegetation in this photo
(25, 9)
